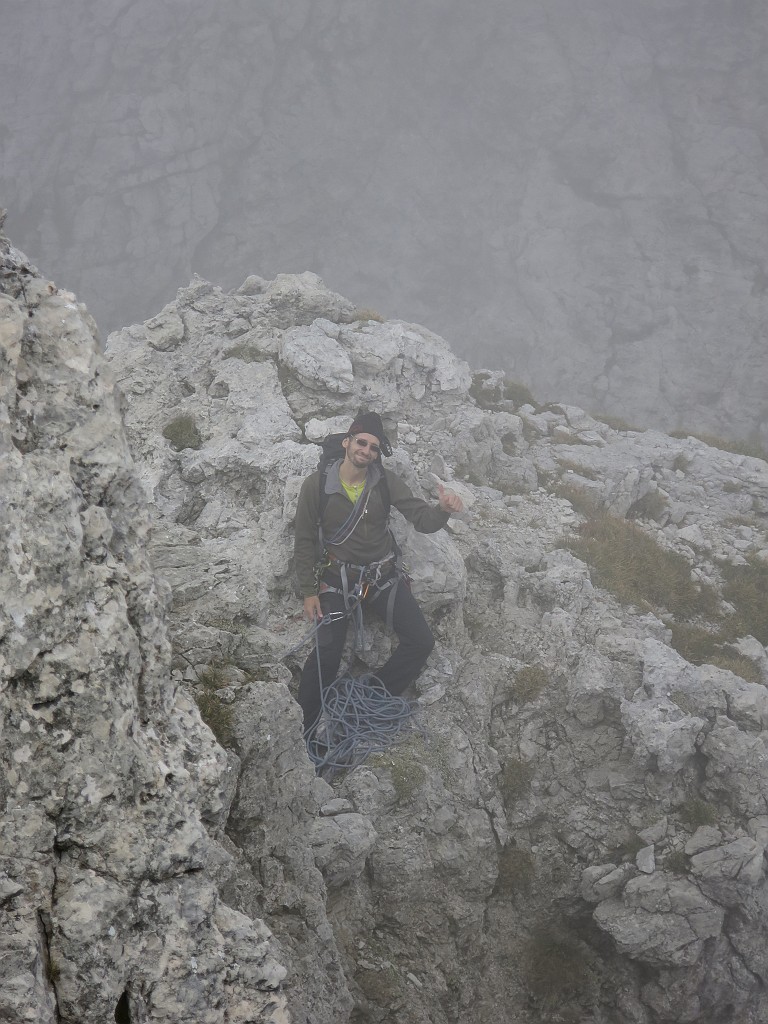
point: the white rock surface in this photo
(470, 839)
(575, 763)
(661, 921)
(114, 793)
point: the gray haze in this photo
(575, 192)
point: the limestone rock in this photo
(645, 860)
(741, 859)
(659, 729)
(316, 357)
(704, 838)
(564, 732)
(341, 845)
(109, 774)
(660, 920)
(604, 881)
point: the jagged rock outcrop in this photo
(113, 791)
(582, 833)
(575, 193)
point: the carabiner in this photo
(331, 617)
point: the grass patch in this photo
(703, 646)
(739, 664)
(555, 970)
(516, 870)
(490, 390)
(183, 433)
(515, 779)
(652, 505)
(213, 677)
(408, 776)
(637, 570)
(696, 812)
(245, 352)
(519, 394)
(217, 715)
(406, 768)
(746, 588)
(529, 682)
(737, 447)
(363, 315)
(564, 435)
(615, 422)
(677, 862)
(696, 644)
(586, 502)
(744, 519)
(684, 702)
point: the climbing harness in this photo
(357, 581)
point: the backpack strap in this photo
(364, 497)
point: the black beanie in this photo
(370, 423)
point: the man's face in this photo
(362, 449)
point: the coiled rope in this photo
(358, 716)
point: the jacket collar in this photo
(333, 484)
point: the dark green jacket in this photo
(371, 540)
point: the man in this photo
(360, 552)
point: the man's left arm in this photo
(425, 517)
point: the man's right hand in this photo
(312, 608)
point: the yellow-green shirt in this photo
(353, 491)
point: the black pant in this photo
(405, 664)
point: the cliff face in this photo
(582, 835)
(113, 791)
(575, 194)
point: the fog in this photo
(576, 193)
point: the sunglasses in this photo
(367, 444)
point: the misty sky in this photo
(575, 192)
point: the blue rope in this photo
(358, 716)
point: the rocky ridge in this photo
(114, 793)
(582, 836)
